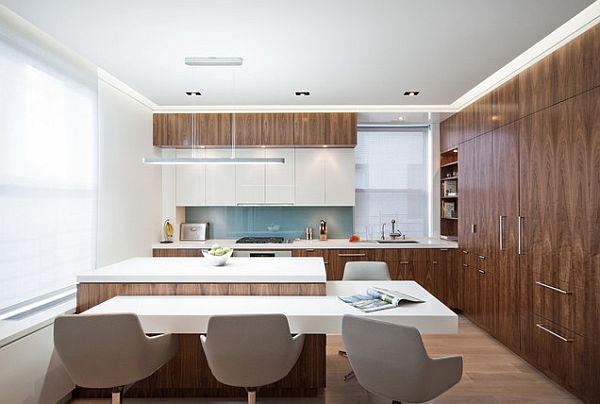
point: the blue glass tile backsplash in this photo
(281, 221)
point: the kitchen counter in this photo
(197, 270)
(316, 244)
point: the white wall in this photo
(129, 192)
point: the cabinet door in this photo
(191, 181)
(220, 180)
(339, 258)
(248, 129)
(342, 129)
(467, 223)
(179, 130)
(310, 129)
(310, 177)
(278, 129)
(555, 176)
(339, 177)
(159, 130)
(280, 179)
(506, 271)
(250, 178)
(213, 129)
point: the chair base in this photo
(347, 376)
(251, 394)
(118, 393)
(396, 402)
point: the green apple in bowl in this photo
(217, 255)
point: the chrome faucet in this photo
(395, 234)
(383, 231)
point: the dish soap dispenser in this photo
(323, 231)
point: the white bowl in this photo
(216, 261)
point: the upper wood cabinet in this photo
(255, 130)
(565, 73)
(278, 129)
(318, 129)
(248, 129)
(213, 129)
(172, 130)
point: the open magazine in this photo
(379, 299)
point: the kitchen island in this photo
(188, 375)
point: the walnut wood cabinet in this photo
(530, 213)
(255, 129)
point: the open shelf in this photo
(449, 173)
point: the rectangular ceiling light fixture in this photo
(213, 61)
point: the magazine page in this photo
(394, 294)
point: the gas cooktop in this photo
(261, 240)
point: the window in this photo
(48, 148)
(392, 182)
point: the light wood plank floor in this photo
(492, 375)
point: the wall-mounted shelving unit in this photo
(449, 194)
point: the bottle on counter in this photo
(309, 233)
(323, 231)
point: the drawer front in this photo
(566, 265)
(559, 303)
(559, 353)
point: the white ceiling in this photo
(345, 52)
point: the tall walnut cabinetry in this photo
(529, 216)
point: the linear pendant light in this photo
(213, 160)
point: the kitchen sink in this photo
(397, 241)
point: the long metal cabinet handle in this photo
(353, 255)
(501, 235)
(404, 262)
(560, 337)
(520, 236)
(481, 271)
(564, 292)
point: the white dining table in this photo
(305, 314)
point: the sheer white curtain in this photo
(48, 159)
(392, 182)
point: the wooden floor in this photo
(492, 374)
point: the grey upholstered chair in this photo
(364, 271)
(250, 350)
(109, 350)
(391, 360)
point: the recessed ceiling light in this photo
(193, 93)
(213, 61)
(302, 93)
(411, 93)
(400, 118)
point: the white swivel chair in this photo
(391, 360)
(109, 350)
(364, 271)
(250, 350)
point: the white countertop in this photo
(306, 314)
(316, 244)
(197, 270)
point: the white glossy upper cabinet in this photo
(310, 177)
(250, 179)
(220, 180)
(339, 177)
(279, 179)
(190, 181)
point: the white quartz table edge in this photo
(198, 270)
(316, 244)
(306, 314)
